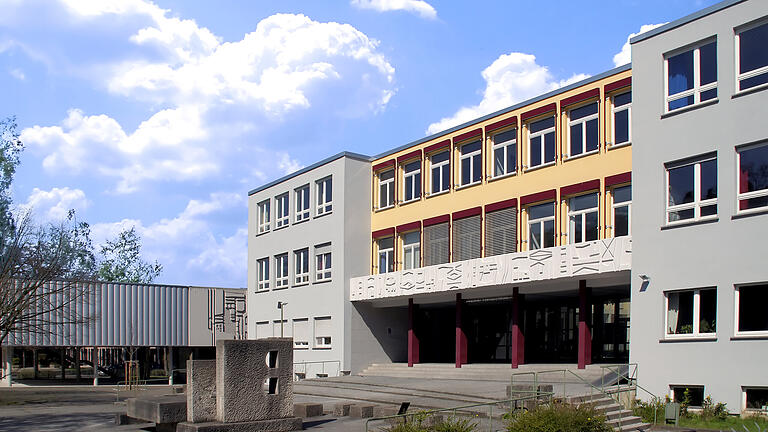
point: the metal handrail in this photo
(323, 362)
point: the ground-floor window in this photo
(693, 394)
(301, 333)
(691, 313)
(323, 332)
(756, 398)
(751, 316)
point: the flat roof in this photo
(685, 20)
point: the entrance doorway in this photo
(436, 328)
(551, 332)
(610, 333)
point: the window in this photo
(505, 153)
(323, 332)
(412, 250)
(263, 330)
(622, 118)
(263, 216)
(436, 244)
(541, 226)
(501, 231)
(263, 274)
(301, 262)
(471, 163)
(386, 255)
(695, 394)
(751, 317)
(412, 181)
(541, 142)
(692, 76)
(441, 171)
(466, 238)
(302, 203)
(583, 129)
(692, 191)
(622, 211)
(281, 329)
(691, 313)
(753, 177)
(281, 211)
(324, 196)
(323, 263)
(301, 333)
(386, 189)
(756, 398)
(281, 271)
(582, 218)
(751, 56)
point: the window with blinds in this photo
(276, 329)
(466, 238)
(301, 333)
(436, 244)
(501, 232)
(323, 332)
(263, 330)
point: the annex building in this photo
(614, 220)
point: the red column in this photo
(518, 338)
(585, 332)
(413, 339)
(461, 337)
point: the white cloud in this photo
(510, 79)
(55, 204)
(230, 254)
(17, 73)
(218, 201)
(419, 7)
(625, 55)
(288, 165)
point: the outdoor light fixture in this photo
(646, 280)
(281, 306)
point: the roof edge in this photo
(685, 20)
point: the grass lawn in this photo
(753, 424)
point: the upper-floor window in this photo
(324, 196)
(467, 233)
(441, 171)
(505, 153)
(622, 118)
(263, 274)
(753, 176)
(302, 203)
(692, 313)
(583, 218)
(692, 190)
(281, 270)
(323, 263)
(501, 231)
(386, 188)
(301, 262)
(751, 318)
(411, 250)
(622, 210)
(471, 163)
(541, 142)
(264, 216)
(386, 255)
(541, 226)
(752, 56)
(282, 211)
(412, 181)
(692, 76)
(583, 129)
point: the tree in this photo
(10, 149)
(121, 260)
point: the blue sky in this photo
(162, 115)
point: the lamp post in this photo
(281, 306)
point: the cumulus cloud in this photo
(17, 73)
(510, 79)
(419, 7)
(55, 204)
(625, 55)
(288, 165)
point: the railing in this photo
(301, 368)
(142, 384)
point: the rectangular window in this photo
(386, 189)
(279, 330)
(505, 153)
(692, 191)
(386, 255)
(471, 163)
(466, 238)
(622, 118)
(583, 129)
(751, 316)
(695, 394)
(302, 203)
(692, 313)
(691, 76)
(501, 232)
(323, 263)
(541, 226)
(263, 274)
(541, 142)
(301, 333)
(412, 181)
(281, 271)
(281, 211)
(441, 171)
(411, 250)
(622, 211)
(263, 330)
(583, 218)
(436, 244)
(324, 196)
(301, 263)
(323, 332)
(264, 216)
(753, 177)
(751, 56)
(756, 398)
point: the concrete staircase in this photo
(617, 417)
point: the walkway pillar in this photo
(413, 338)
(35, 363)
(78, 376)
(170, 365)
(63, 367)
(461, 336)
(7, 380)
(585, 332)
(95, 363)
(518, 338)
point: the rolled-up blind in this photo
(436, 244)
(501, 232)
(263, 330)
(301, 332)
(466, 238)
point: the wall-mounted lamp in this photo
(646, 280)
(281, 306)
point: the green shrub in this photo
(649, 411)
(422, 422)
(558, 418)
(711, 410)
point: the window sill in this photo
(323, 214)
(706, 338)
(322, 348)
(466, 186)
(383, 208)
(301, 284)
(263, 290)
(689, 108)
(262, 233)
(619, 145)
(750, 90)
(281, 227)
(540, 166)
(322, 281)
(410, 201)
(503, 176)
(301, 348)
(301, 221)
(745, 336)
(280, 288)
(581, 155)
(750, 212)
(689, 223)
(438, 193)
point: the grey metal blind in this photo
(436, 242)
(501, 232)
(466, 238)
